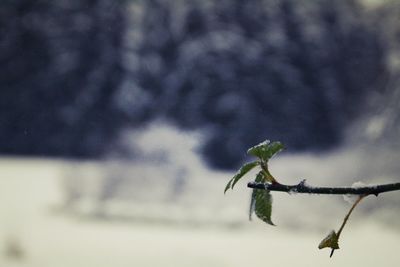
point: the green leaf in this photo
(330, 241)
(228, 185)
(242, 171)
(259, 150)
(274, 148)
(259, 179)
(265, 150)
(263, 205)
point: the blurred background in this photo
(122, 121)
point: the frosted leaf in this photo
(266, 150)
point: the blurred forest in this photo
(74, 74)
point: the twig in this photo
(302, 187)
(361, 197)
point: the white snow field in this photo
(171, 211)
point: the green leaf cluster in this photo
(261, 200)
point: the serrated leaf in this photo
(274, 148)
(243, 170)
(263, 205)
(259, 150)
(259, 179)
(330, 241)
(265, 150)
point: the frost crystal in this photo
(358, 184)
(350, 198)
(293, 191)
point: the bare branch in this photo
(302, 187)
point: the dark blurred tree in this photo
(382, 125)
(60, 65)
(247, 70)
(75, 73)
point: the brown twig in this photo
(346, 218)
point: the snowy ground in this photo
(154, 213)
